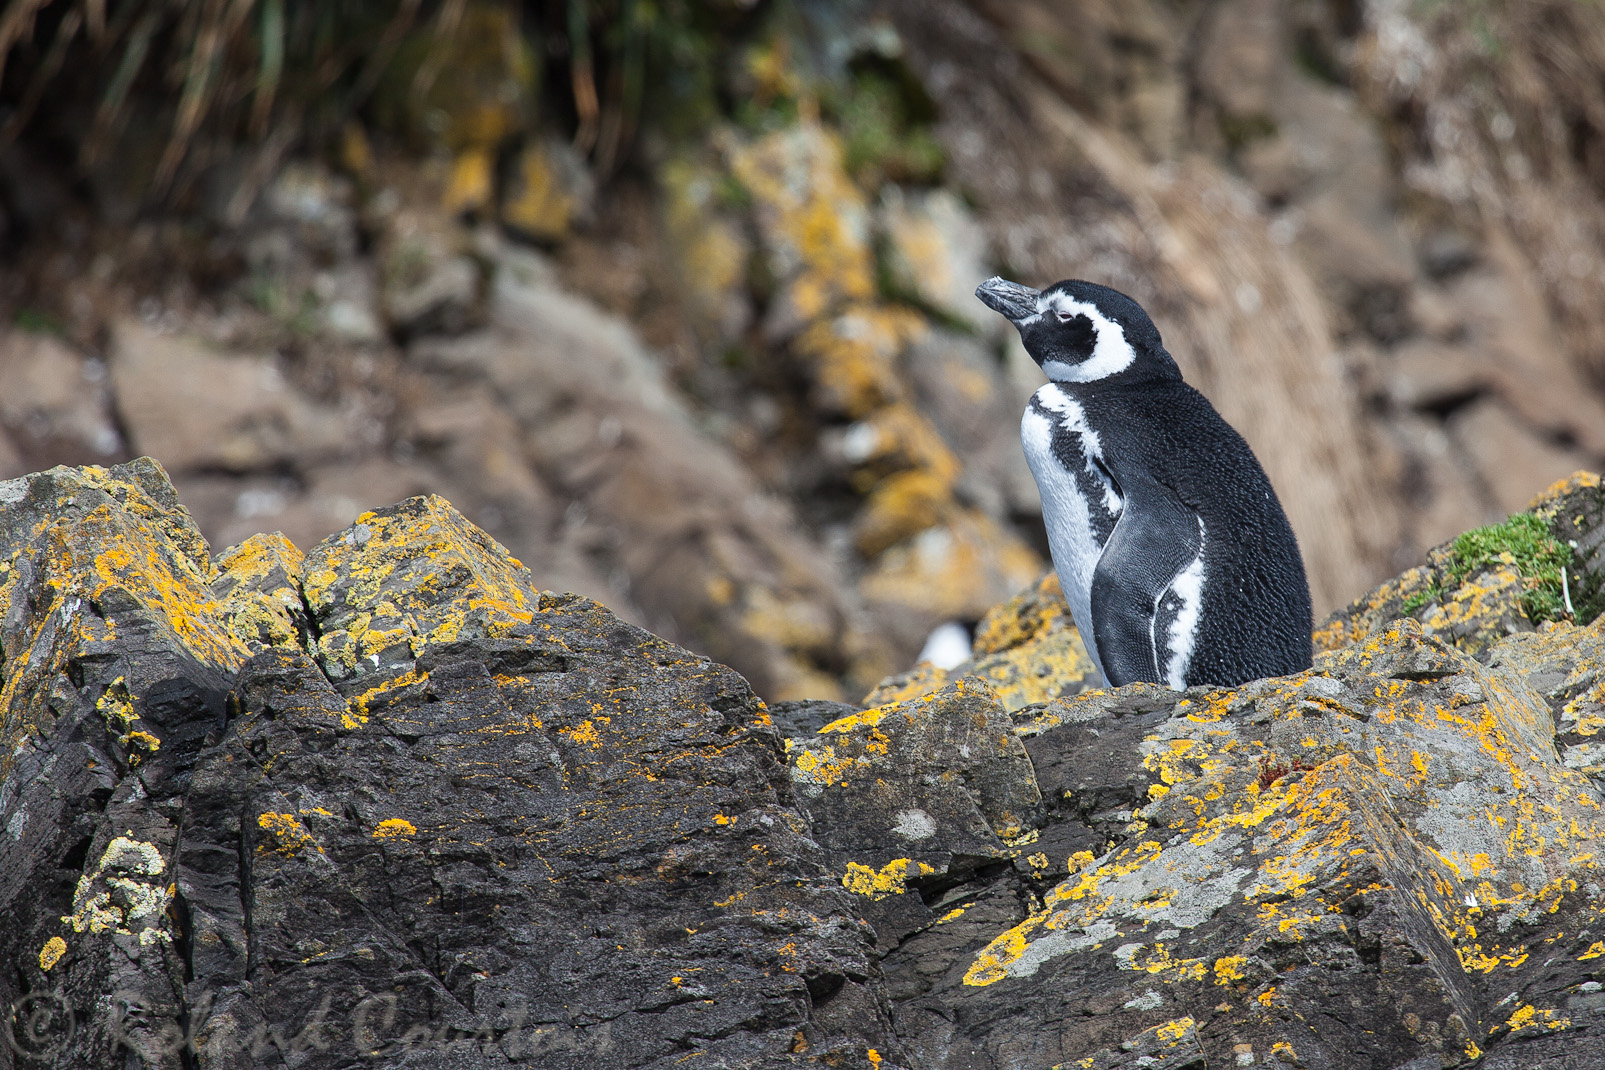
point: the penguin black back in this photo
(1173, 550)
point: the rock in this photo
(427, 288)
(815, 229)
(1486, 603)
(118, 662)
(1240, 56)
(951, 570)
(1363, 269)
(1270, 853)
(975, 406)
(1449, 498)
(936, 252)
(314, 215)
(55, 403)
(392, 801)
(1327, 167)
(1507, 455)
(804, 717)
(710, 246)
(1508, 321)
(196, 409)
(1561, 662)
(213, 853)
(429, 278)
(1430, 375)
(1027, 650)
(551, 191)
(302, 245)
(1242, 862)
(705, 554)
(11, 462)
(348, 304)
(1119, 60)
(865, 782)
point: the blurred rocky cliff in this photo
(674, 300)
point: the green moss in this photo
(1524, 541)
(1529, 544)
(1421, 599)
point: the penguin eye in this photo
(1064, 317)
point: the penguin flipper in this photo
(1156, 537)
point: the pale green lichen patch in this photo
(118, 897)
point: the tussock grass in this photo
(271, 72)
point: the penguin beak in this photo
(1009, 298)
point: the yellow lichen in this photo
(357, 710)
(1229, 969)
(51, 953)
(394, 828)
(471, 184)
(890, 879)
(386, 575)
(290, 837)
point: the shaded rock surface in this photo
(389, 802)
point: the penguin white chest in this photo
(1080, 504)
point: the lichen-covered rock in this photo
(422, 810)
(391, 803)
(1485, 585)
(918, 795)
(118, 660)
(1027, 650)
(1379, 859)
(928, 554)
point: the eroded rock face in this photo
(423, 805)
(389, 803)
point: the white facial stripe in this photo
(1111, 354)
(1188, 586)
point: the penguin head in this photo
(1080, 332)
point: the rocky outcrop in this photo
(386, 798)
(389, 802)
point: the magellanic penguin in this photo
(1174, 554)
